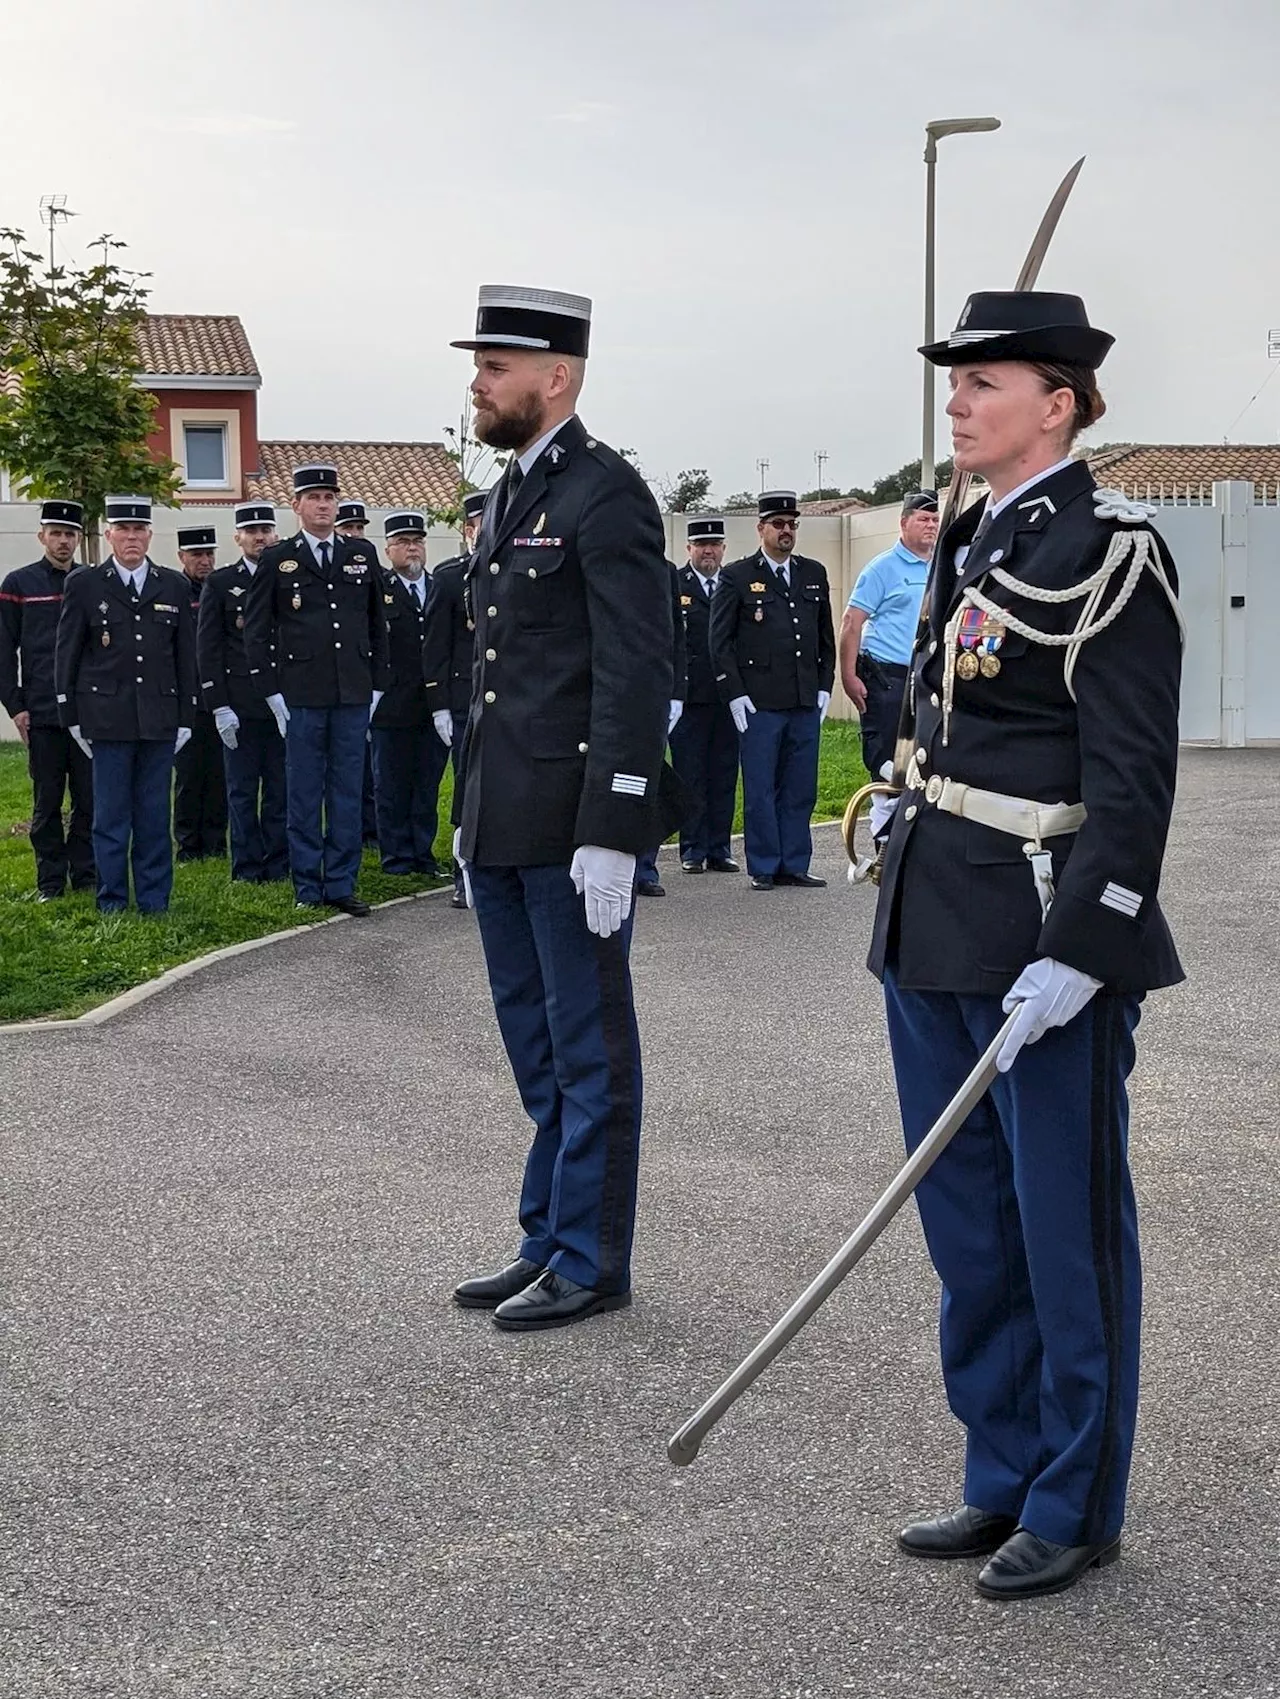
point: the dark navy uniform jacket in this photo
(126, 669)
(405, 702)
(196, 589)
(957, 907)
(220, 650)
(695, 609)
(571, 596)
(773, 644)
(30, 602)
(320, 642)
(449, 644)
(680, 640)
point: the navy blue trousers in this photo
(564, 1007)
(256, 804)
(408, 764)
(1030, 1221)
(779, 752)
(131, 784)
(704, 751)
(324, 768)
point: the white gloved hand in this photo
(443, 722)
(228, 723)
(182, 740)
(605, 878)
(1046, 994)
(465, 866)
(740, 707)
(824, 702)
(280, 709)
(673, 714)
(82, 741)
(881, 813)
(373, 705)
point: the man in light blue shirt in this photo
(878, 631)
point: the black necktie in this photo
(515, 477)
(324, 558)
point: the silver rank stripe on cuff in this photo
(630, 784)
(1122, 900)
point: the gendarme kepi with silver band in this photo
(511, 316)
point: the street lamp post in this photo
(933, 133)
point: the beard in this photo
(518, 427)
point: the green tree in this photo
(75, 423)
(822, 495)
(743, 502)
(901, 483)
(686, 493)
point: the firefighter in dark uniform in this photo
(1020, 878)
(353, 521)
(30, 602)
(317, 646)
(773, 651)
(408, 757)
(200, 783)
(648, 883)
(704, 740)
(448, 650)
(253, 750)
(125, 667)
(560, 789)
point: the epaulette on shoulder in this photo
(1114, 504)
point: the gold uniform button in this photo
(491, 654)
(582, 749)
(490, 696)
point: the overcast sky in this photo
(738, 185)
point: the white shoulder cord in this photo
(1141, 549)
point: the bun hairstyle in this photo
(1083, 384)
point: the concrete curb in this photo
(174, 975)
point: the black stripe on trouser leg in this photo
(617, 1029)
(1105, 1208)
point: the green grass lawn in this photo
(61, 958)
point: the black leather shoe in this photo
(762, 882)
(1027, 1567)
(458, 900)
(808, 881)
(489, 1290)
(722, 864)
(554, 1301)
(966, 1532)
(650, 888)
(692, 867)
(349, 905)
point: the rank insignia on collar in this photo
(288, 566)
(756, 589)
(555, 453)
(540, 527)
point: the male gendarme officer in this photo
(317, 646)
(200, 781)
(253, 752)
(773, 651)
(30, 601)
(125, 666)
(704, 739)
(353, 518)
(448, 649)
(558, 793)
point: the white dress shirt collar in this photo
(526, 460)
(313, 543)
(1005, 501)
(135, 575)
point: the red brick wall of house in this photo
(241, 401)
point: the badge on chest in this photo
(978, 639)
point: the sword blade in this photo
(1048, 224)
(683, 1445)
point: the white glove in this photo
(373, 706)
(605, 878)
(82, 741)
(228, 724)
(182, 740)
(673, 714)
(443, 722)
(280, 709)
(824, 702)
(881, 813)
(466, 876)
(1046, 994)
(740, 707)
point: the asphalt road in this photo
(250, 1449)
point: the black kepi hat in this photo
(255, 513)
(62, 513)
(775, 503)
(198, 537)
(315, 477)
(405, 524)
(705, 531)
(130, 509)
(1027, 324)
(920, 501)
(510, 316)
(351, 512)
(473, 504)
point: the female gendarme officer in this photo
(1021, 871)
